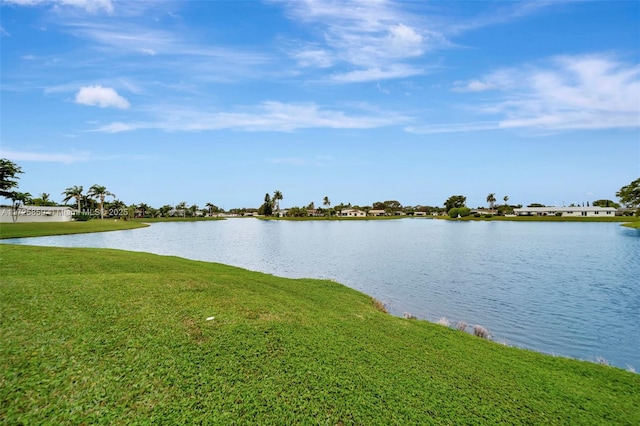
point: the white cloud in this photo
(371, 36)
(377, 74)
(268, 116)
(101, 96)
(45, 156)
(568, 93)
(88, 5)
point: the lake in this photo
(569, 289)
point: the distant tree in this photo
(277, 196)
(455, 201)
(605, 203)
(311, 206)
(42, 200)
(266, 209)
(297, 212)
(99, 192)
(73, 192)
(164, 210)
(212, 208)
(193, 210)
(181, 208)
(8, 176)
(629, 195)
(118, 208)
(491, 198)
(536, 205)
(18, 199)
(142, 208)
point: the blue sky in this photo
(360, 101)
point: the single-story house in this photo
(419, 213)
(36, 214)
(377, 213)
(593, 211)
(352, 213)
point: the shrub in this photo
(488, 215)
(477, 215)
(461, 325)
(81, 217)
(480, 331)
(459, 211)
(558, 214)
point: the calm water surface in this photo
(570, 289)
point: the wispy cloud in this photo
(268, 116)
(570, 92)
(103, 97)
(365, 40)
(377, 38)
(45, 156)
(91, 6)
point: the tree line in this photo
(95, 202)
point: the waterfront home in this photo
(352, 213)
(36, 214)
(593, 211)
(377, 213)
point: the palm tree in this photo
(18, 198)
(506, 198)
(327, 203)
(73, 192)
(210, 208)
(182, 206)
(277, 196)
(45, 198)
(491, 198)
(143, 209)
(99, 192)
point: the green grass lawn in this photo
(40, 229)
(99, 336)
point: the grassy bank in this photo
(101, 336)
(36, 229)
(635, 224)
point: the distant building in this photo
(352, 213)
(36, 214)
(566, 211)
(377, 213)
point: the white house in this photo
(593, 211)
(377, 212)
(352, 213)
(36, 214)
